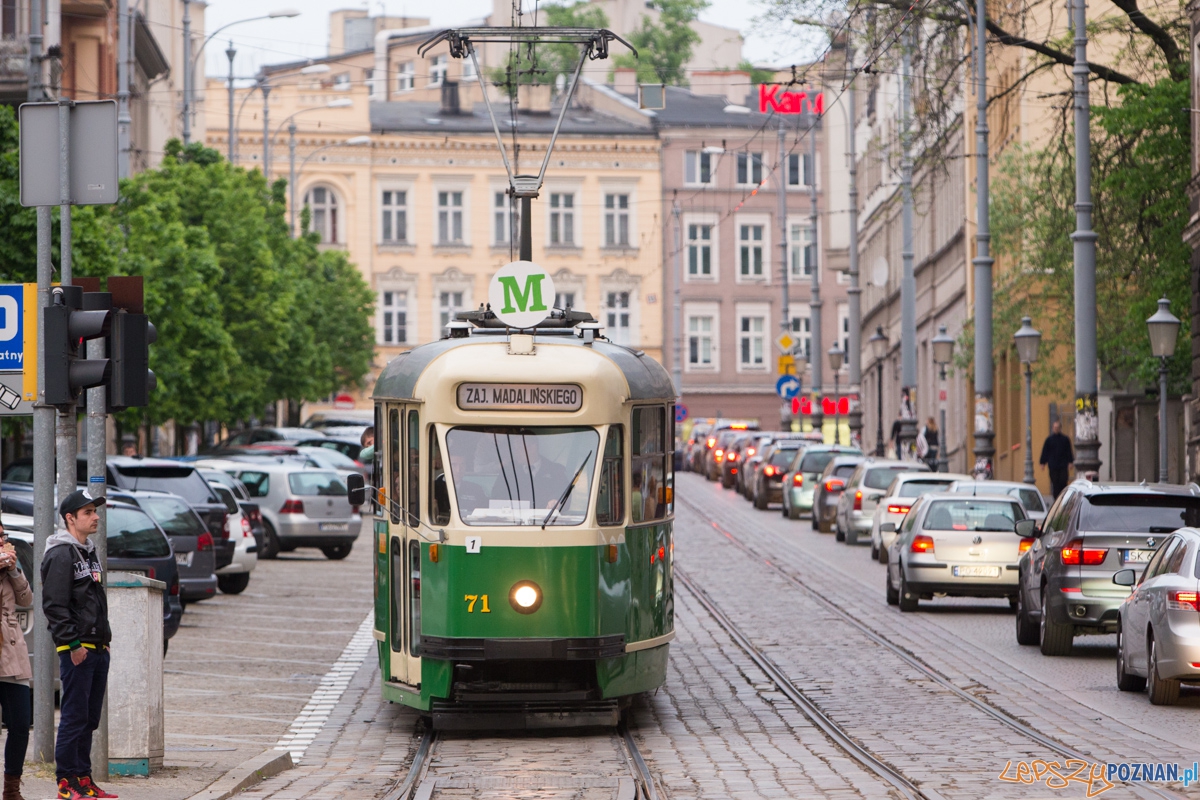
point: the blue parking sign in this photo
(12, 327)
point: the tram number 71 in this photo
(472, 599)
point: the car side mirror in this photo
(1027, 528)
(356, 491)
(887, 527)
(1124, 577)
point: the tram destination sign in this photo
(519, 397)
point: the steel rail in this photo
(641, 772)
(403, 789)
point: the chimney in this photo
(625, 80)
(450, 104)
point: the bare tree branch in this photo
(1164, 40)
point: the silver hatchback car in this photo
(302, 508)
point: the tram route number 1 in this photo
(472, 599)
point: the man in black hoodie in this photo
(76, 609)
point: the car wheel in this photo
(908, 600)
(837, 532)
(793, 513)
(883, 556)
(1054, 637)
(727, 483)
(336, 552)
(851, 536)
(1027, 630)
(783, 510)
(760, 501)
(1126, 681)
(270, 548)
(233, 584)
(816, 519)
(1162, 692)
(893, 596)
(874, 552)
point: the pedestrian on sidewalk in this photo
(929, 434)
(76, 609)
(1057, 456)
(15, 695)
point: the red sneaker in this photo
(68, 790)
(89, 789)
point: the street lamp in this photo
(943, 354)
(341, 102)
(836, 356)
(879, 349)
(1164, 328)
(1027, 340)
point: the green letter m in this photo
(533, 288)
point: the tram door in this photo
(403, 488)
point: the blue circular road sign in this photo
(787, 387)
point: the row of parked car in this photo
(200, 524)
(1103, 558)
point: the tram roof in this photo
(647, 379)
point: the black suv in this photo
(1090, 532)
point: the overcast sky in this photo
(307, 36)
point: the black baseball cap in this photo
(77, 500)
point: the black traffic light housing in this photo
(73, 317)
(129, 352)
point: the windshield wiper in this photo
(566, 492)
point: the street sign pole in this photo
(43, 511)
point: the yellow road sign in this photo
(787, 365)
(785, 342)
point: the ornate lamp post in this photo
(1164, 328)
(836, 356)
(943, 354)
(1027, 340)
(879, 349)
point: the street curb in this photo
(265, 765)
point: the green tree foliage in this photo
(543, 63)
(665, 45)
(1140, 168)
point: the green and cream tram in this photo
(523, 534)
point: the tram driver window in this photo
(649, 464)
(610, 504)
(439, 495)
(395, 460)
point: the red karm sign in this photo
(771, 97)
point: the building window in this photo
(699, 251)
(800, 170)
(405, 77)
(395, 317)
(468, 69)
(700, 341)
(616, 220)
(698, 167)
(395, 217)
(750, 239)
(802, 251)
(843, 312)
(616, 309)
(749, 168)
(562, 219)
(802, 332)
(752, 339)
(324, 205)
(450, 217)
(449, 304)
(506, 220)
(437, 70)
(564, 300)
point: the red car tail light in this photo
(1026, 543)
(768, 471)
(292, 507)
(858, 501)
(733, 456)
(749, 452)
(711, 441)
(204, 542)
(921, 544)
(1075, 554)
(835, 485)
(898, 509)
(246, 527)
(174, 586)
(1184, 601)
(798, 479)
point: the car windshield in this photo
(514, 476)
(783, 456)
(1138, 513)
(175, 516)
(132, 534)
(185, 482)
(816, 462)
(918, 488)
(881, 477)
(972, 515)
(311, 483)
(844, 471)
(330, 457)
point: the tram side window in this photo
(610, 505)
(672, 445)
(377, 458)
(414, 469)
(414, 600)
(395, 460)
(439, 495)
(397, 585)
(649, 463)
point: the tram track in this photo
(928, 671)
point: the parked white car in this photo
(898, 498)
(1029, 496)
(234, 577)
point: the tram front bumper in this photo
(461, 648)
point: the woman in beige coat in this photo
(15, 673)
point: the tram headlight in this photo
(525, 597)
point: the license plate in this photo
(183, 559)
(23, 619)
(976, 571)
(1136, 556)
(334, 526)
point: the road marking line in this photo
(312, 718)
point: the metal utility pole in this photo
(124, 120)
(33, 92)
(785, 309)
(292, 178)
(266, 159)
(188, 71)
(854, 293)
(44, 661)
(908, 284)
(985, 429)
(818, 413)
(67, 433)
(230, 53)
(1087, 433)
(677, 306)
(97, 468)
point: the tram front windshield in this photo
(506, 475)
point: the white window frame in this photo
(391, 212)
(566, 282)
(333, 229)
(615, 213)
(438, 67)
(406, 77)
(504, 214)
(558, 215)
(468, 70)
(759, 340)
(800, 172)
(749, 161)
(751, 221)
(801, 329)
(843, 332)
(697, 220)
(394, 301)
(695, 311)
(801, 253)
(451, 209)
(452, 282)
(694, 165)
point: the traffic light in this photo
(129, 351)
(67, 326)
